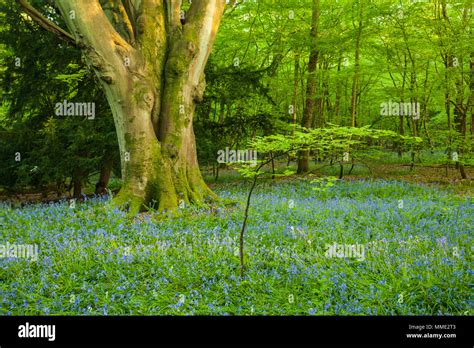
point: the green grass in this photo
(97, 261)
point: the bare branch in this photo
(46, 23)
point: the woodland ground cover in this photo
(98, 261)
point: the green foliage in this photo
(53, 148)
(323, 184)
(332, 141)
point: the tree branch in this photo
(131, 7)
(173, 11)
(202, 22)
(107, 52)
(46, 23)
(87, 19)
(119, 18)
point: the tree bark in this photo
(105, 172)
(471, 97)
(308, 115)
(77, 183)
(295, 89)
(337, 103)
(355, 80)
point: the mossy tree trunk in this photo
(151, 67)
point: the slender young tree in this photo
(149, 57)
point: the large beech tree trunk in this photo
(151, 67)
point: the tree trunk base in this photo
(185, 189)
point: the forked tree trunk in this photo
(152, 70)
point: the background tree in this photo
(311, 86)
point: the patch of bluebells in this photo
(114, 265)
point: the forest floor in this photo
(363, 246)
(431, 174)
